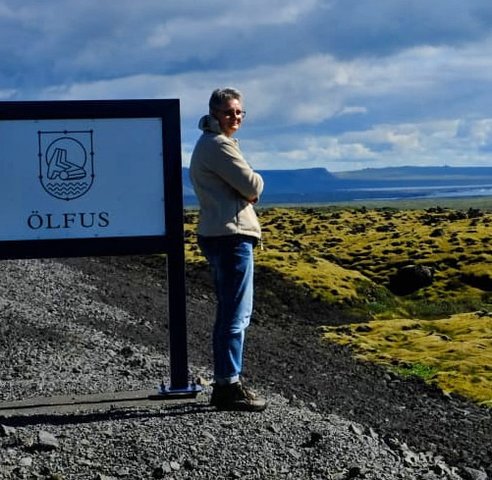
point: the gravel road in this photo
(89, 325)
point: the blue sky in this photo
(340, 84)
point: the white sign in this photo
(63, 179)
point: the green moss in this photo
(454, 353)
(354, 251)
(425, 372)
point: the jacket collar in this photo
(208, 123)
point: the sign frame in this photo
(170, 243)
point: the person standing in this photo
(228, 230)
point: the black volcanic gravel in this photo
(306, 378)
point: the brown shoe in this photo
(236, 397)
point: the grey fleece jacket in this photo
(225, 184)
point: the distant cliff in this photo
(319, 185)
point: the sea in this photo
(441, 191)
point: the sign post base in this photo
(190, 391)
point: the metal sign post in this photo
(88, 178)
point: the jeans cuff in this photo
(227, 380)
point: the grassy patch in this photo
(455, 353)
(425, 372)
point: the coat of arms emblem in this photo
(66, 163)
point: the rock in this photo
(273, 428)
(158, 472)
(474, 213)
(208, 435)
(296, 402)
(126, 351)
(312, 406)
(201, 380)
(314, 438)
(356, 429)
(6, 431)
(45, 441)
(471, 474)
(354, 472)
(25, 462)
(165, 469)
(410, 278)
(438, 232)
(56, 476)
(294, 453)
(189, 464)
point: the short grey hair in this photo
(222, 95)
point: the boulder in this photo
(410, 278)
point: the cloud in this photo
(89, 38)
(381, 27)
(352, 110)
(7, 94)
(406, 89)
(338, 83)
(450, 142)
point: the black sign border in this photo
(168, 111)
(171, 243)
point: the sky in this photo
(339, 84)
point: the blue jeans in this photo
(231, 261)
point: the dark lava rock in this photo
(410, 278)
